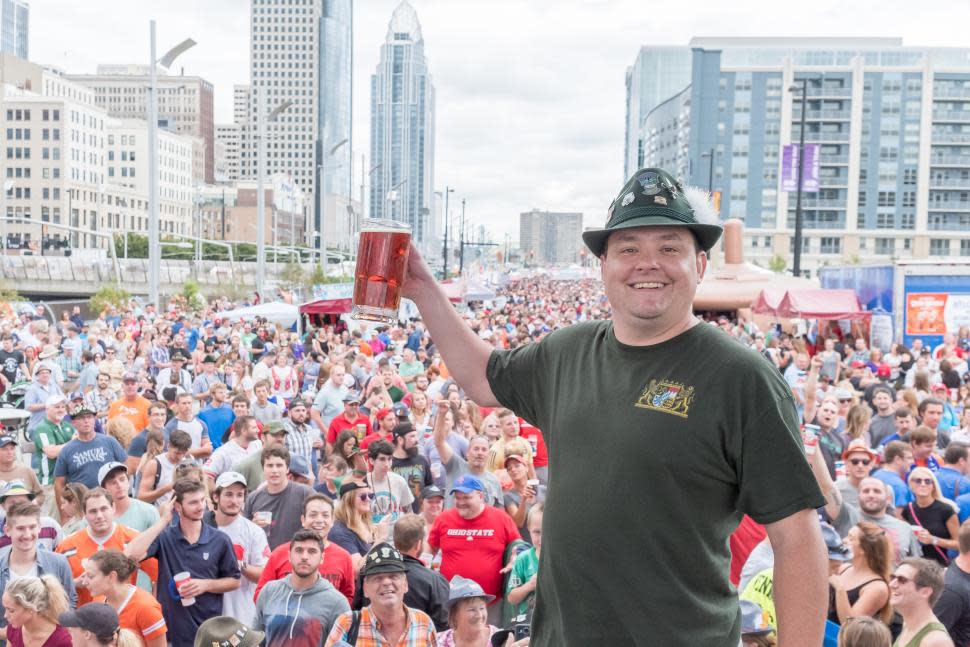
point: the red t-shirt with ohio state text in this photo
(474, 548)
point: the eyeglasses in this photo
(846, 401)
(899, 578)
(919, 481)
(860, 461)
(365, 496)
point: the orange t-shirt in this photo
(79, 546)
(136, 412)
(142, 615)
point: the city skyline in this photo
(516, 129)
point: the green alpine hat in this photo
(653, 198)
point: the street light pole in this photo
(461, 243)
(444, 250)
(797, 262)
(261, 118)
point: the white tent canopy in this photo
(276, 312)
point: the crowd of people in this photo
(182, 475)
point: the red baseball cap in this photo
(383, 413)
(858, 364)
(884, 371)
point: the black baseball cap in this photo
(96, 617)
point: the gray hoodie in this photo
(293, 617)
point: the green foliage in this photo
(110, 296)
(190, 299)
(8, 294)
(777, 264)
(292, 276)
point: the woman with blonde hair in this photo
(862, 587)
(935, 515)
(32, 606)
(857, 423)
(907, 398)
(96, 625)
(863, 631)
(121, 429)
(70, 507)
(354, 529)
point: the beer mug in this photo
(382, 260)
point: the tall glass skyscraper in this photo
(336, 89)
(402, 127)
(14, 23)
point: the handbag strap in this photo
(912, 511)
(354, 628)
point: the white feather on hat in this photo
(702, 206)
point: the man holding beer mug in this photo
(689, 424)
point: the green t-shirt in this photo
(655, 452)
(407, 370)
(396, 394)
(525, 566)
(47, 433)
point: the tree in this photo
(110, 296)
(190, 299)
(316, 277)
(292, 276)
(777, 264)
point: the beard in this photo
(411, 452)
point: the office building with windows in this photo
(893, 128)
(14, 27)
(550, 238)
(402, 128)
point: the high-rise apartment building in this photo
(14, 27)
(550, 238)
(893, 128)
(402, 128)
(228, 143)
(185, 104)
(301, 52)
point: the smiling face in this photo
(318, 517)
(386, 590)
(650, 275)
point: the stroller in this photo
(13, 417)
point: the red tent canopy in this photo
(810, 304)
(455, 289)
(326, 307)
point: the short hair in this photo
(963, 537)
(408, 531)
(922, 435)
(926, 403)
(904, 412)
(216, 386)
(928, 574)
(182, 396)
(262, 383)
(24, 509)
(186, 486)
(274, 452)
(895, 449)
(379, 447)
(537, 509)
(94, 493)
(864, 631)
(304, 534)
(955, 452)
(180, 440)
(503, 413)
(241, 399)
(316, 497)
(158, 405)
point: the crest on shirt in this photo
(205, 556)
(667, 397)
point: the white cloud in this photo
(530, 93)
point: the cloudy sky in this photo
(530, 93)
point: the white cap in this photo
(108, 468)
(52, 400)
(228, 478)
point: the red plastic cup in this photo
(382, 260)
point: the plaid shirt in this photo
(420, 631)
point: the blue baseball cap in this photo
(467, 484)
(753, 619)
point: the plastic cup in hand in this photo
(382, 261)
(181, 579)
(263, 515)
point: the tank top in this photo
(852, 595)
(928, 628)
(166, 473)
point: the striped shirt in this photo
(420, 631)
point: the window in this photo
(885, 246)
(939, 247)
(965, 248)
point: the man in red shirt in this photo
(349, 419)
(386, 421)
(540, 457)
(336, 566)
(473, 538)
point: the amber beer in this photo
(382, 260)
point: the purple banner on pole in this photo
(789, 168)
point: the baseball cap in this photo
(352, 397)
(884, 370)
(108, 469)
(383, 558)
(43, 366)
(6, 439)
(843, 394)
(274, 428)
(467, 484)
(300, 466)
(129, 377)
(383, 413)
(229, 478)
(838, 551)
(16, 487)
(401, 410)
(96, 617)
(858, 364)
(939, 386)
(54, 400)
(515, 457)
(80, 413)
(753, 619)
(350, 486)
(402, 429)
(76, 395)
(224, 631)
(432, 491)
(297, 402)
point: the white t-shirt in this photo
(392, 496)
(249, 542)
(193, 428)
(228, 455)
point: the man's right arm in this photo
(441, 439)
(465, 353)
(137, 549)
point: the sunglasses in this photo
(899, 578)
(365, 497)
(919, 481)
(860, 461)
(846, 401)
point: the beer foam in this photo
(384, 230)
